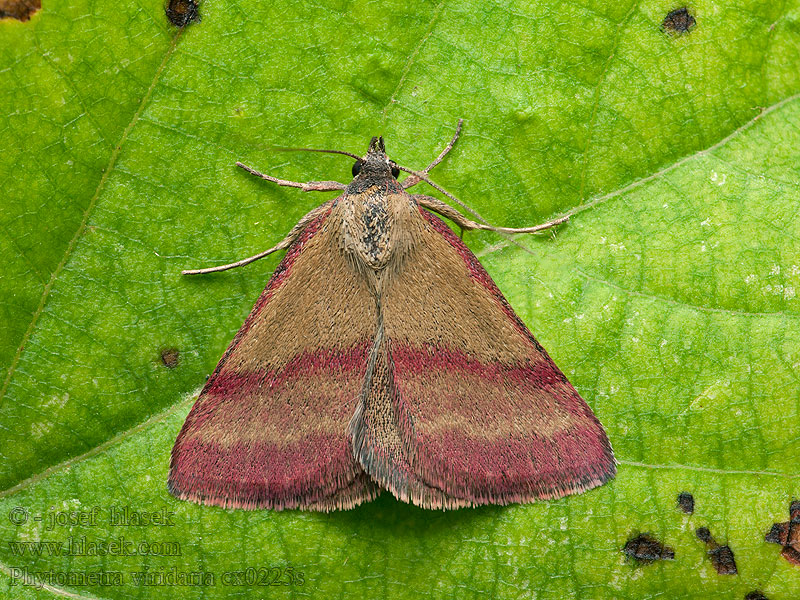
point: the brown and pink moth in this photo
(382, 356)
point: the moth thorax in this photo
(369, 225)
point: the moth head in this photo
(375, 162)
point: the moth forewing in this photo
(382, 356)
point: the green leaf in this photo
(669, 300)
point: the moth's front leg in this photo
(309, 186)
(413, 180)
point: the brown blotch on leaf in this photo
(788, 535)
(170, 357)
(182, 12)
(755, 595)
(723, 561)
(21, 10)
(703, 534)
(678, 21)
(686, 502)
(646, 549)
(721, 556)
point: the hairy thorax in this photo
(373, 225)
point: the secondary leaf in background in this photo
(671, 303)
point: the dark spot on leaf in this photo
(756, 595)
(721, 556)
(722, 559)
(703, 534)
(21, 10)
(646, 549)
(678, 21)
(686, 502)
(170, 357)
(788, 535)
(182, 12)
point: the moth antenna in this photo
(324, 151)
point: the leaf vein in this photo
(82, 226)
(705, 309)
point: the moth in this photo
(382, 356)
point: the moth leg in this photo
(413, 179)
(283, 244)
(311, 186)
(451, 213)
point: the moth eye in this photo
(395, 171)
(357, 167)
